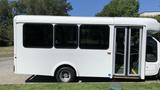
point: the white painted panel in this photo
(92, 63)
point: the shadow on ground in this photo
(49, 79)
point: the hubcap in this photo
(65, 76)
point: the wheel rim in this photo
(65, 76)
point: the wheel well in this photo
(65, 65)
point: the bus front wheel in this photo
(65, 74)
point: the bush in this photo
(6, 34)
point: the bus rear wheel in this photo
(158, 75)
(65, 74)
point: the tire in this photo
(65, 74)
(158, 75)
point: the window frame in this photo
(38, 47)
(77, 37)
(107, 29)
(156, 50)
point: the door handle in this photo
(109, 53)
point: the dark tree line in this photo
(27, 7)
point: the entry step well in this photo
(126, 77)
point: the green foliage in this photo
(6, 34)
(5, 23)
(27, 7)
(120, 8)
(157, 18)
(5, 10)
(43, 7)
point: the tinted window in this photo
(66, 36)
(151, 51)
(94, 36)
(38, 35)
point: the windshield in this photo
(151, 48)
(155, 34)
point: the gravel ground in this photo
(7, 75)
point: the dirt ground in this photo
(7, 76)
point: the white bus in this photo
(68, 47)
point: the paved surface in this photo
(7, 75)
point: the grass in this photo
(6, 51)
(82, 86)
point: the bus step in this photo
(126, 77)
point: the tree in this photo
(4, 36)
(27, 7)
(5, 10)
(5, 23)
(120, 8)
(43, 7)
(158, 18)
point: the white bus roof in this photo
(150, 23)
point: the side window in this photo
(151, 50)
(37, 35)
(66, 36)
(94, 36)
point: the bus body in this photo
(69, 47)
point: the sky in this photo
(91, 7)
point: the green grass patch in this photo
(6, 51)
(81, 86)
